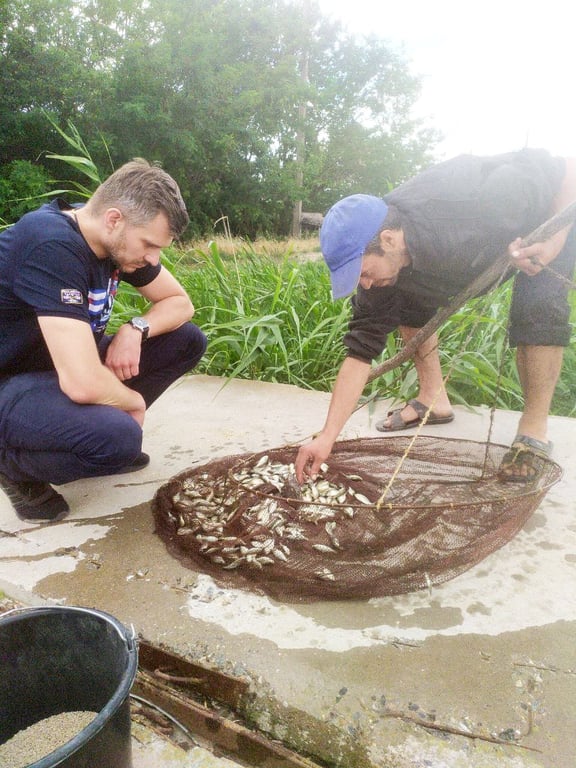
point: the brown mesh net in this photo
(386, 516)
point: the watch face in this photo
(141, 324)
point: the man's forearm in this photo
(103, 388)
(567, 191)
(81, 374)
(169, 314)
(532, 258)
(348, 388)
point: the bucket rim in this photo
(122, 629)
(121, 694)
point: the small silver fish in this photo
(323, 548)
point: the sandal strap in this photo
(419, 407)
(538, 447)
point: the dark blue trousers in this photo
(45, 436)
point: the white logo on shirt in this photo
(71, 296)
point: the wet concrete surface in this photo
(490, 655)
(151, 750)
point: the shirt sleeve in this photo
(143, 276)
(53, 280)
(374, 316)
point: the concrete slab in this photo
(149, 750)
(491, 653)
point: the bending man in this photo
(411, 252)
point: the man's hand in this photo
(533, 258)
(123, 353)
(528, 260)
(311, 456)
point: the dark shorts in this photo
(540, 311)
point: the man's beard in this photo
(118, 251)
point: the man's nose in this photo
(366, 282)
(152, 257)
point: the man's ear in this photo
(388, 239)
(112, 218)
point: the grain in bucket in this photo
(66, 665)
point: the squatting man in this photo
(412, 251)
(73, 398)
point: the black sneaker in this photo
(34, 501)
(139, 462)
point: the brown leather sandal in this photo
(397, 422)
(525, 460)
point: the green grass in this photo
(271, 318)
(268, 319)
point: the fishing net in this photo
(385, 516)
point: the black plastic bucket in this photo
(66, 659)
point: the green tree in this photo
(219, 99)
(21, 184)
(251, 104)
(43, 65)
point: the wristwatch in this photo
(142, 325)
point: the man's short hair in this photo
(141, 190)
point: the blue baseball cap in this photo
(346, 230)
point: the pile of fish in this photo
(253, 516)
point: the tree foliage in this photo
(224, 93)
(21, 183)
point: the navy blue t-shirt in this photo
(48, 269)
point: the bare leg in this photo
(538, 370)
(432, 391)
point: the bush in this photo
(22, 185)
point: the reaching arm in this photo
(531, 259)
(171, 308)
(349, 385)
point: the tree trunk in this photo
(300, 151)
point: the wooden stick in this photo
(492, 275)
(456, 731)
